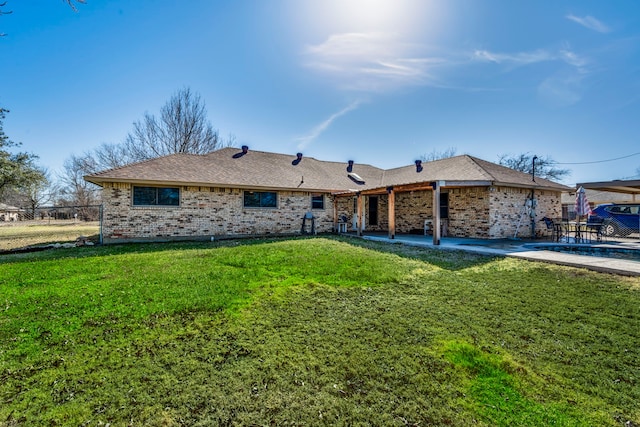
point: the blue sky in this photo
(379, 82)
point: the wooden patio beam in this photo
(392, 212)
(360, 214)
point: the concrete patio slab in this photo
(530, 250)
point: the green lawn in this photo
(317, 331)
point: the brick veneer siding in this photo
(507, 208)
(475, 212)
(494, 212)
(412, 209)
(469, 212)
(205, 212)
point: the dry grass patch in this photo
(20, 235)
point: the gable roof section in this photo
(264, 170)
(255, 169)
(467, 170)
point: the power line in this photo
(598, 161)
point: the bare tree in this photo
(74, 189)
(69, 2)
(183, 127)
(4, 13)
(110, 156)
(545, 166)
(38, 193)
(73, 6)
(437, 155)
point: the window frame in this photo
(322, 200)
(156, 197)
(260, 195)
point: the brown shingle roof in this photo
(256, 169)
(466, 169)
(259, 169)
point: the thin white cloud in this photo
(517, 59)
(528, 58)
(574, 59)
(319, 129)
(371, 62)
(589, 22)
(561, 90)
(379, 62)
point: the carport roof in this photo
(617, 186)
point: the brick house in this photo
(232, 193)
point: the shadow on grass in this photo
(451, 260)
(447, 260)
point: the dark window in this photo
(373, 210)
(317, 201)
(260, 199)
(444, 205)
(156, 196)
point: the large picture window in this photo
(317, 201)
(156, 196)
(260, 199)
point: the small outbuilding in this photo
(9, 213)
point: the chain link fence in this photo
(612, 227)
(25, 229)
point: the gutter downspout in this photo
(533, 203)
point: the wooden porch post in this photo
(392, 212)
(360, 213)
(335, 213)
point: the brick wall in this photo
(206, 212)
(477, 212)
(494, 212)
(469, 212)
(412, 209)
(480, 212)
(507, 211)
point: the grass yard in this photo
(23, 234)
(316, 331)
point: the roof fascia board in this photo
(206, 184)
(534, 186)
(418, 186)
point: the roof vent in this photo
(350, 167)
(297, 159)
(355, 178)
(418, 166)
(245, 150)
